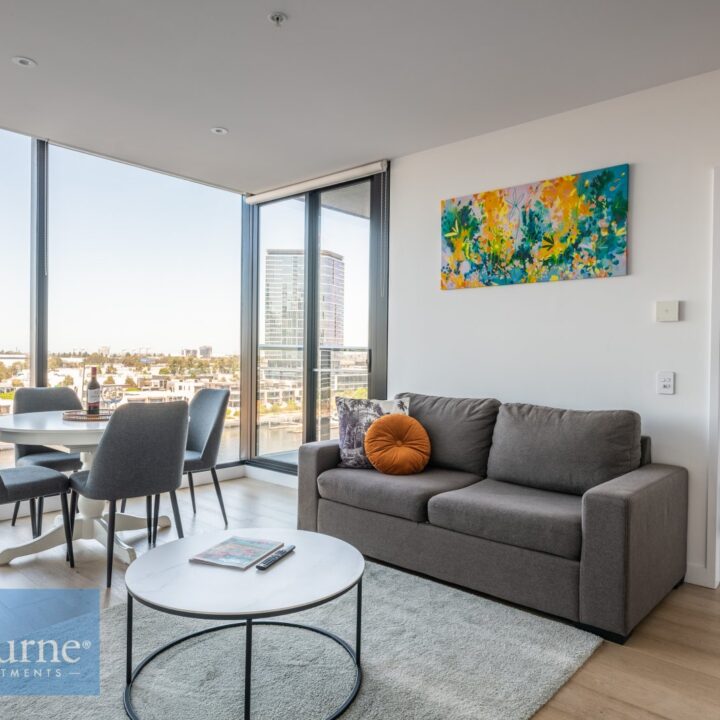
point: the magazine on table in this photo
(237, 552)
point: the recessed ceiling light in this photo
(219, 131)
(24, 61)
(277, 18)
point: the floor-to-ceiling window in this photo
(15, 214)
(320, 310)
(143, 276)
(144, 283)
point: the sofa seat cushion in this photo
(404, 496)
(567, 451)
(460, 429)
(514, 515)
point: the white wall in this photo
(586, 344)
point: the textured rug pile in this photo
(430, 652)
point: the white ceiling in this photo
(343, 82)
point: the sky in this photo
(141, 260)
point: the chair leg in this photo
(216, 482)
(148, 512)
(111, 540)
(73, 512)
(156, 518)
(123, 505)
(68, 531)
(33, 517)
(192, 492)
(40, 510)
(15, 513)
(176, 514)
(73, 508)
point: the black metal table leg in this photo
(358, 626)
(248, 666)
(132, 675)
(128, 644)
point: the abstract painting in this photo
(567, 228)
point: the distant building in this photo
(280, 360)
(285, 297)
(205, 351)
(104, 350)
(189, 352)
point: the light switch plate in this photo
(667, 310)
(665, 384)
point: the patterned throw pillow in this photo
(355, 417)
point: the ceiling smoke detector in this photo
(277, 18)
(24, 61)
(219, 131)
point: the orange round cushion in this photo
(397, 444)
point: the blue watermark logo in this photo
(49, 642)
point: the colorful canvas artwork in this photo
(567, 228)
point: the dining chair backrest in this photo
(141, 452)
(207, 419)
(42, 399)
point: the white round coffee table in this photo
(321, 569)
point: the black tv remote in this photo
(272, 559)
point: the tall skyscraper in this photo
(285, 298)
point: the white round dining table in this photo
(49, 428)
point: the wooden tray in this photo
(82, 416)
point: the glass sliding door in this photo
(343, 301)
(281, 330)
(15, 212)
(319, 306)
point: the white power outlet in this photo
(665, 383)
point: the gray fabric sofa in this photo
(558, 510)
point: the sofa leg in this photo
(604, 634)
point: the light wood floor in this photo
(670, 667)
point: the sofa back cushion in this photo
(460, 430)
(563, 450)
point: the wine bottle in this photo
(93, 393)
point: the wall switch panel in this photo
(667, 310)
(665, 384)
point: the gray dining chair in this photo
(28, 483)
(141, 453)
(207, 419)
(42, 399)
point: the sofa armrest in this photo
(313, 460)
(633, 545)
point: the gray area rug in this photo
(430, 652)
